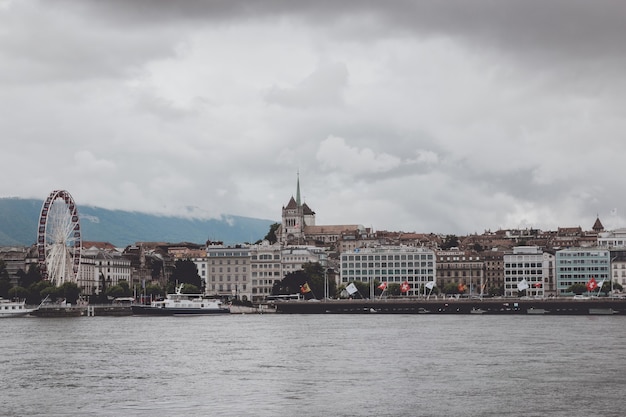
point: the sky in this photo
(451, 117)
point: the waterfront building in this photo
(294, 257)
(228, 271)
(14, 261)
(531, 265)
(493, 260)
(579, 265)
(265, 269)
(612, 239)
(618, 267)
(461, 268)
(389, 264)
(103, 263)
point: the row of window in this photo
(384, 264)
(354, 272)
(387, 257)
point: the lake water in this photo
(314, 365)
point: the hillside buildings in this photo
(547, 263)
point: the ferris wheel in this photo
(58, 238)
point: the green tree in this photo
(32, 276)
(496, 291)
(577, 288)
(393, 289)
(450, 241)
(115, 291)
(271, 235)
(185, 272)
(312, 273)
(154, 290)
(70, 291)
(451, 288)
(5, 281)
(36, 290)
(18, 292)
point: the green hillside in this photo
(19, 217)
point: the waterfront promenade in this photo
(560, 306)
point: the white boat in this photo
(10, 308)
(181, 304)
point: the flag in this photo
(461, 287)
(430, 285)
(537, 285)
(351, 288)
(600, 284)
(383, 286)
(405, 287)
(305, 288)
(592, 284)
(522, 285)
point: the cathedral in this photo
(298, 225)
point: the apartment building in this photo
(461, 268)
(228, 271)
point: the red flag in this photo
(537, 285)
(592, 284)
(383, 286)
(405, 287)
(305, 288)
(461, 287)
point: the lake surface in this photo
(314, 365)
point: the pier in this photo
(561, 306)
(77, 311)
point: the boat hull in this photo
(169, 311)
(22, 313)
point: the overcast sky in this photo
(429, 116)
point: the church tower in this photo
(295, 217)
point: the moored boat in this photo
(10, 308)
(181, 304)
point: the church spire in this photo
(298, 191)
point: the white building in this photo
(614, 239)
(294, 257)
(105, 264)
(389, 264)
(529, 265)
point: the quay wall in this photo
(456, 306)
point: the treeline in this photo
(33, 288)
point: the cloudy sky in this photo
(426, 116)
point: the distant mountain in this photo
(19, 218)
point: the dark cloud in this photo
(580, 29)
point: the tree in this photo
(185, 272)
(312, 273)
(5, 281)
(32, 276)
(496, 291)
(70, 291)
(451, 288)
(271, 235)
(450, 241)
(18, 292)
(577, 288)
(36, 290)
(116, 291)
